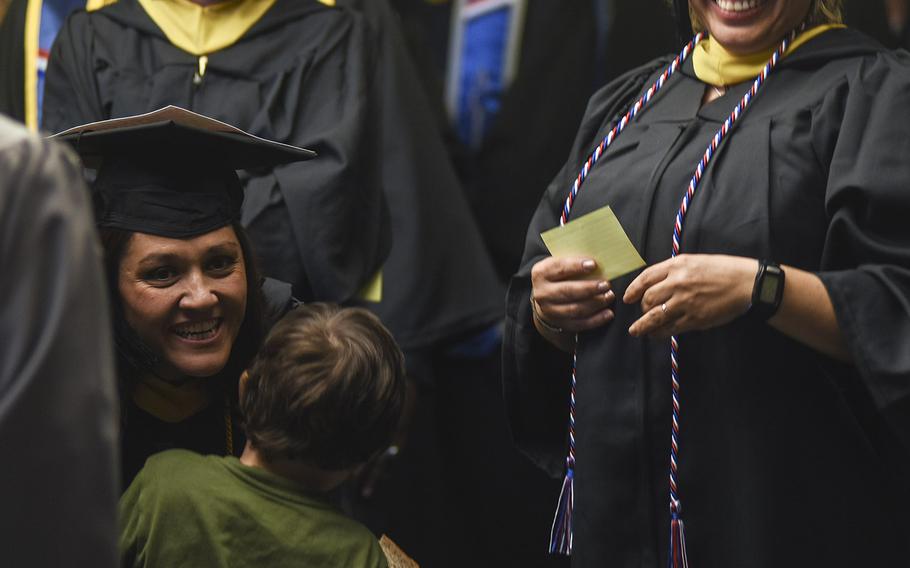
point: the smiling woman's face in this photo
(185, 298)
(749, 26)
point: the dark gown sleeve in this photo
(866, 261)
(535, 373)
(71, 94)
(330, 104)
(57, 384)
(439, 280)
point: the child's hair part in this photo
(327, 387)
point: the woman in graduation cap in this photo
(745, 399)
(189, 307)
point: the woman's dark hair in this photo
(134, 358)
(327, 388)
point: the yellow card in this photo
(599, 236)
(372, 291)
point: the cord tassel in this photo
(561, 532)
(677, 555)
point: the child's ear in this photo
(244, 377)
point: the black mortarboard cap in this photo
(171, 173)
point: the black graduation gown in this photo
(378, 135)
(206, 433)
(787, 458)
(57, 382)
(439, 280)
(302, 74)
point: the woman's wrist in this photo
(539, 319)
(554, 334)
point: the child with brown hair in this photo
(321, 398)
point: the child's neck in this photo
(309, 477)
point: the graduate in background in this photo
(323, 225)
(58, 417)
(313, 75)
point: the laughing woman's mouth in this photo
(739, 5)
(198, 330)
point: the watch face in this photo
(768, 290)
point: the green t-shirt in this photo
(184, 509)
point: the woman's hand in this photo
(691, 292)
(563, 297)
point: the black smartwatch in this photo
(767, 292)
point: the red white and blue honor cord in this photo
(561, 532)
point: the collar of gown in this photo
(716, 66)
(202, 30)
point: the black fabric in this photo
(439, 281)
(312, 93)
(143, 435)
(787, 458)
(871, 18)
(12, 60)
(683, 22)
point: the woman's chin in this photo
(196, 367)
(741, 41)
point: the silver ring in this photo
(663, 307)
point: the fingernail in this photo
(603, 286)
(609, 296)
(632, 331)
(609, 315)
(588, 264)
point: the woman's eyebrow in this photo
(225, 247)
(158, 258)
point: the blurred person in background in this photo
(510, 79)
(58, 414)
